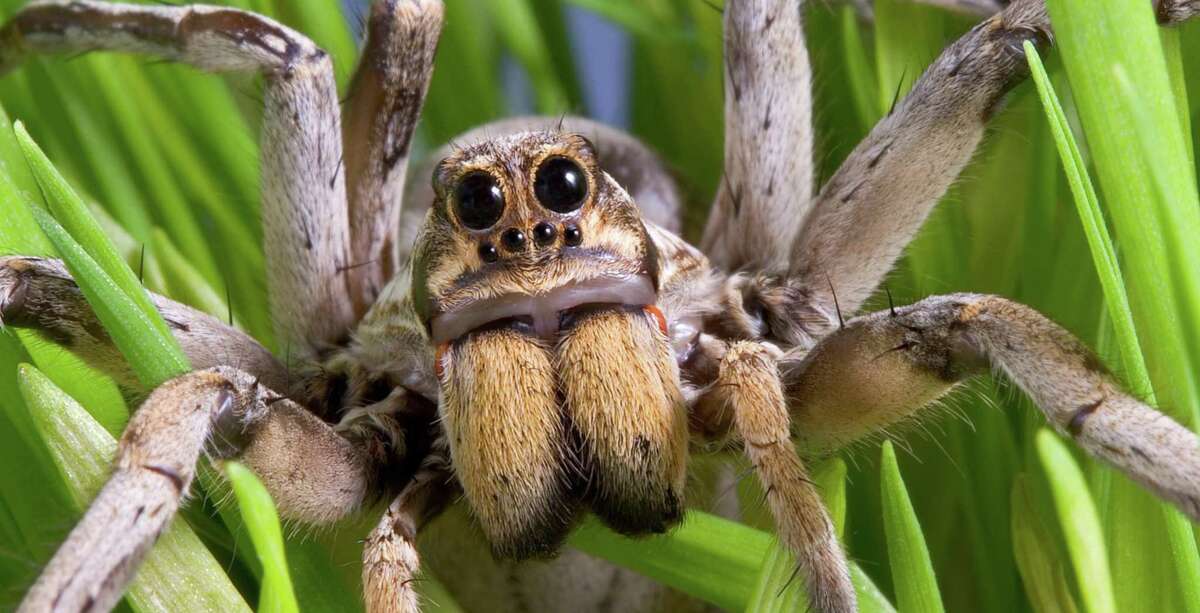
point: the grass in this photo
(984, 510)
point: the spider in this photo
(530, 333)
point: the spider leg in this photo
(873, 205)
(305, 229)
(384, 103)
(768, 182)
(1174, 12)
(749, 386)
(882, 367)
(227, 412)
(39, 293)
(390, 560)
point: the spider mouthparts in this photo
(542, 314)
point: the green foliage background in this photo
(981, 508)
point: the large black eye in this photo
(560, 185)
(479, 200)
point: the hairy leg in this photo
(748, 392)
(304, 197)
(874, 204)
(883, 367)
(384, 103)
(768, 182)
(228, 413)
(390, 560)
(39, 293)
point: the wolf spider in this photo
(543, 345)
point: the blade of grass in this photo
(1037, 559)
(912, 570)
(1156, 233)
(1142, 568)
(102, 274)
(129, 327)
(262, 522)
(708, 557)
(179, 573)
(1080, 523)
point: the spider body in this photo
(530, 330)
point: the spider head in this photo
(536, 280)
(524, 229)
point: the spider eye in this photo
(479, 200)
(560, 185)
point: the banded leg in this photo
(39, 293)
(227, 412)
(385, 101)
(873, 205)
(768, 182)
(881, 368)
(748, 393)
(390, 560)
(304, 197)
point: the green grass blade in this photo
(179, 573)
(1131, 511)
(1157, 232)
(149, 354)
(522, 35)
(1038, 560)
(1080, 523)
(119, 300)
(1088, 205)
(262, 522)
(708, 557)
(912, 570)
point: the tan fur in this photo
(858, 380)
(507, 439)
(620, 389)
(749, 382)
(390, 561)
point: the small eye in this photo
(479, 200)
(560, 185)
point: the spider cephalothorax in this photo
(547, 343)
(531, 260)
